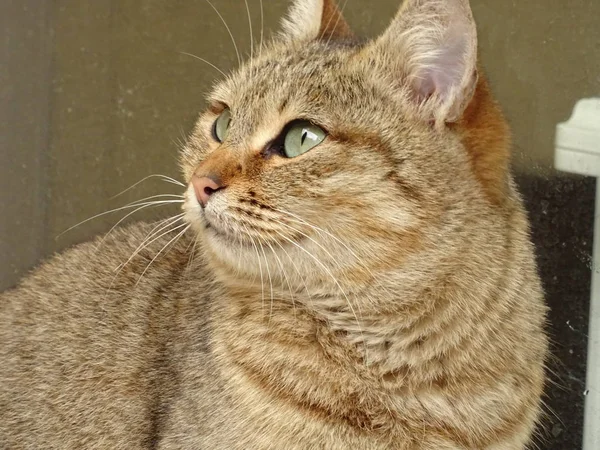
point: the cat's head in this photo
(328, 162)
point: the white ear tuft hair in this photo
(308, 20)
(432, 46)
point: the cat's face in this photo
(365, 192)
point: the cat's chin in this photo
(235, 254)
(220, 237)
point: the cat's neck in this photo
(391, 323)
(264, 319)
(317, 356)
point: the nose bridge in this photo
(222, 166)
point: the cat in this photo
(352, 268)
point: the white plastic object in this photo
(578, 141)
(578, 151)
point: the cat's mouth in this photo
(219, 226)
(236, 233)
(212, 225)
(235, 230)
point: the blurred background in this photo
(96, 95)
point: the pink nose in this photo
(204, 188)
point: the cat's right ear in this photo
(308, 20)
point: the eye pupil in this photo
(300, 137)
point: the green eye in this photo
(221, 125)
(301, 137)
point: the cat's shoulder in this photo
(132, 261)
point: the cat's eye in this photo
(221, 125)
(301, 137)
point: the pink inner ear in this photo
(443, 69)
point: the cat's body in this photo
(127, 366)
(378, 291)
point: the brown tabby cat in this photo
(363, 277)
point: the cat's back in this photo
(92, 348)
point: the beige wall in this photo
(97, 95)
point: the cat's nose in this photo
(204, 188)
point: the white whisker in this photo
(205, 61)
(237, 52)
(251, 34)
(337, 283)
(262, 27)
(120, 221)
(131, 205)
(337, 21)
(160, 252)
(317, 229)
(192, 253)
(152, 236)
(270, 281)
(321, 231)
(171, 180)
(179, 196)
(284, 274)
(157, 202)
(156, 175)
(262, 286)
(142, 246)
(333, 259)
(303, 279)
(180, 199)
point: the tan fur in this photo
(376, 292)
(483, 128)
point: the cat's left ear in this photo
(308, 20)
(430, 49)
